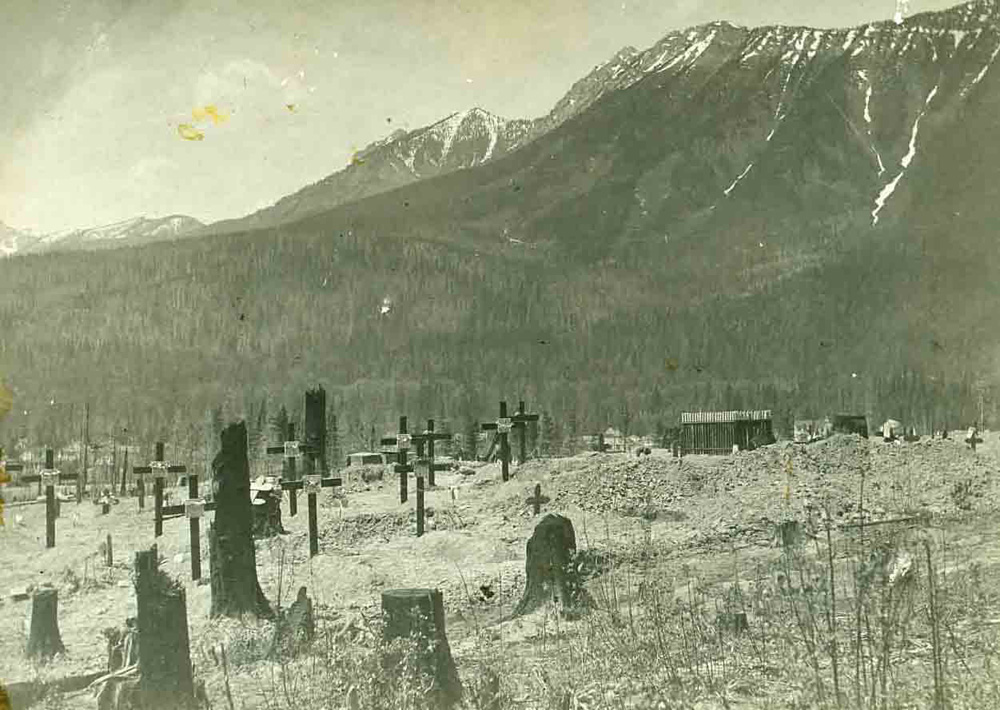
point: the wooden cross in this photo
(193, 509)
(538, 500)
(311, 484)
(49, 477)
(502, 426)
(159, 468)
(429, 437)
(520, 422)
(420, 505)
(402, 443)
(291, 449)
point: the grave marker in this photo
(428, 438)
(291, 449)
(402, 442)
(311, 484)
(159, 469)
(520, 422)
(420, 505)
(194, 509)
(502, 427)
(49, 477)
(538, 500)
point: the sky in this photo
(119, 108)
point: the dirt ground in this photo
(699, 511)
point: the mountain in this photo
(462, 140)
(130, 232)
(773, 217)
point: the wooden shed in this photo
(851, 424)
(717, 432)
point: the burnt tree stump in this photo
(550, 568)
(266, 507)
(44, 640)
(295, 629)
(418, 614)
(233, 558)
(166, 676)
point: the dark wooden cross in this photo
(291, 449)
(502, 427)
(49, 477)
(420, 505)
(193, 509)
(311, 484)
(402, 443)
(538, 500)
(427, 439)
(520, 422)
(159, 468)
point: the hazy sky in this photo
(93, 91)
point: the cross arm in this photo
(300, 484)
(177, 511)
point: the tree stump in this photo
(233, 558)
(44, 640)
(266, 507)
(295, 629)
(418, 614)
(166, 677)
(551, 570)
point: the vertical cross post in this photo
(158, 490)
(502, 427)
(195, 523)
(50, 498)
(291, 450)
(402, 443)
(289, 464)
(521, 420)
(420, 505)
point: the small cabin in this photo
(718, 432)
(361, 458)
(851, 424)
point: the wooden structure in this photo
(361, 458)
(851, 424)
(718, 432)
(401, 442)
(49, 477)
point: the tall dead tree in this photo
(314, 434)
(551, 569)
(233, 558)
(166, 677)
(44, 640)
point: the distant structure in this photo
(361, 458)
(851, 424)
(718, 432)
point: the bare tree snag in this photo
(44, 640)
(418, 614)
(233, 558)
(166, 678)
(551, 569)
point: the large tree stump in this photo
(44, 640)
(418, 614)
(166, 677)
(233, 558)
(551, 570)
(314, 434)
